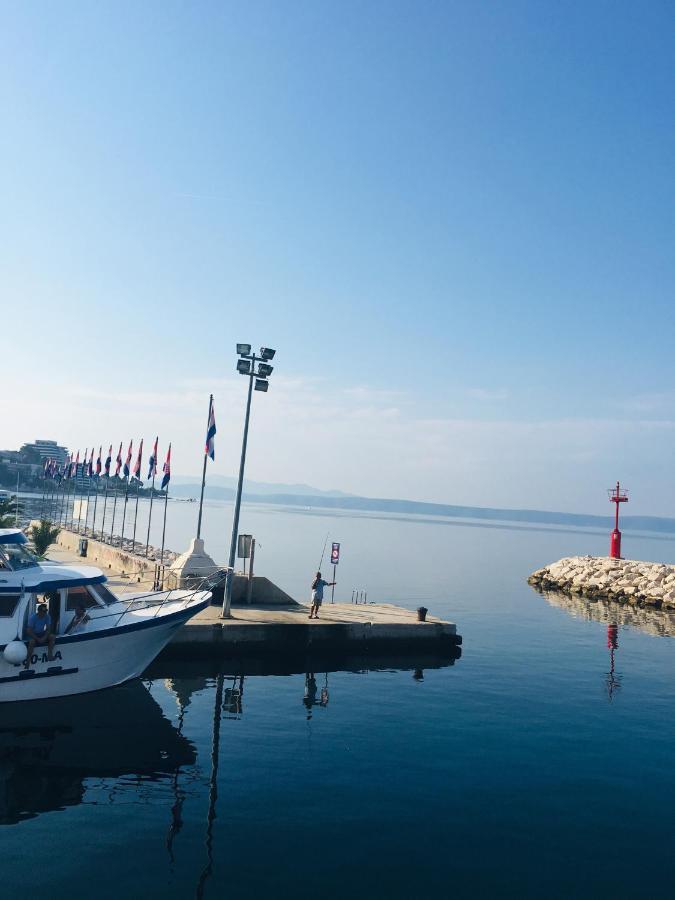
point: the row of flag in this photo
(90, 468)
(52, 469)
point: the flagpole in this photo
(86, 512)
(206, 456)
(152, 494)
(52, 505)
(62, 514)
(167, 472)
(81, 496)
(73, 481)
(124, 511)
(68, 492)
(133, 540)
(48, 500)
(105, 503)
(127, 475)
(62, 490)
(161, 553)
(116, 492)
(44, 493)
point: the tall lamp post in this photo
(258, 370)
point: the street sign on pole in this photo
(335, 559)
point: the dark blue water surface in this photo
(540, 764)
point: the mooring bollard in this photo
(422, 613)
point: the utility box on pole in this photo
(244, 542)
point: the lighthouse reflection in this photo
(613, 681)
(48, 749)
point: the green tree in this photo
(43, 536)
(8, 511)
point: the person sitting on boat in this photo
(79, 620)
(40, 633)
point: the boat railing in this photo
(144, 603)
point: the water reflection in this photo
(48, 748)
(310, 698)
(654, 621)
(613, 679)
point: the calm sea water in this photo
(540, 764)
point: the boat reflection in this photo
(49, 747)
(654, 621)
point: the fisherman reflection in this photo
(310, 698)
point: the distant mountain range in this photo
(291, 495)
(252, 487)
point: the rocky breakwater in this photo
(622, 580)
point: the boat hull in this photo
(91, 662)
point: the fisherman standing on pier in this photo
(317, 594)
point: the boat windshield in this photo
(16, 556)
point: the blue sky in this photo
(454, 221)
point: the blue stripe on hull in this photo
(184, 614)
(31, 675)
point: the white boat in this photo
(121, 637)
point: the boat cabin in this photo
(26, 581)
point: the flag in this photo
(57, 473)
(66, 467)
(152, 470)
(73, 467)
(127, 464)
(90, 467)
(167, 469)
(98, 461)
(108, 461)
(139, 460)
(46, 468)
(118, 461)
(209, 448)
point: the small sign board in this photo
(335, 555)
(244, 546)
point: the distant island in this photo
(335, 500)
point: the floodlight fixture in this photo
(258, 371)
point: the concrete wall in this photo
(264, 593)
(106, 557)
(140, 569)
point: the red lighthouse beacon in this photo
(616, 495)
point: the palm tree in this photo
(43, 536)
(8, 511)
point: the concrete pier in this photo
(275, 623)
(289, 628)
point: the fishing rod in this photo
(323, 551)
